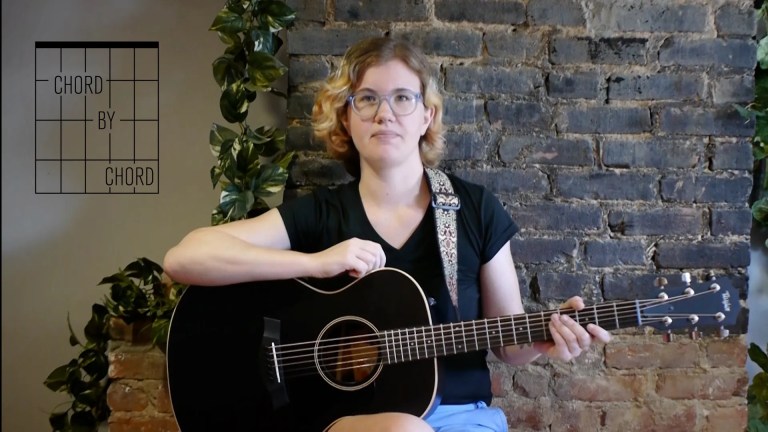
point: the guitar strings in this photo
(451, 329)
(402, 346)
(402, 343)
(309, 368)
(454, 327)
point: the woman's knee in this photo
(384, 422)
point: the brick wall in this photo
(606, 128)
(138, 394)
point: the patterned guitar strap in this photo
(445, 204)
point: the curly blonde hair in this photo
(330, 109)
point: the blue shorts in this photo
(474, 417)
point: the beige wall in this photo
(56, 248)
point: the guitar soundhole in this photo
(348, 353)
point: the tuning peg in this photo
(686, 278)
(724, 332)
(667, 336)
(661, 282)
(695, 334)
(711, 276)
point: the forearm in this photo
(209, 257)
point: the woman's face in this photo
(386, 137)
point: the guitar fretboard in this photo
(417, 343)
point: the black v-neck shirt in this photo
(326, 217)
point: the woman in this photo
(381, 114)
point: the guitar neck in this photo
(461, 337)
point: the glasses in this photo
(366, 103)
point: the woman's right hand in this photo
(355, 257)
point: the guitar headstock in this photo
(695, 306)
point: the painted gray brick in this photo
(520, 116)
(390, 10)
(517, 46)
(614, 253)
(731, 20)
(656, 87)
(607, 186)
(658, 221)
(702, 255)
(574, 85)
(461, 111)
(706, 188)
(485, 11)
(446, 42)
(610, 120)
(308, 10)
(466, 145)
(724, 121)
(327, 41)
(552, 216)
(645, 16)
(731, 222)
(564, 50)
(300, 138)
(733, 155)
(653, 153)
(493, 79)
(544, 250)
(561, 286)
(302, 70)
(565, 13)
(300, 105)
(508, 182)
(734, 89)
(733, 53)
(615, 50)
(547, 151)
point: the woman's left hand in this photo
(569, 338)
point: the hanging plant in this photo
(251, 162)
(758, 110)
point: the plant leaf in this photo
(233, 103)
(218, 136)
(73, 340)
(760, 213)
(275, 14)
(59, 421)
(83, 421)
(271, 180)
(236, 202)
(57, 379)
(228, 22)
(227, 71)
(262, 41)
(762, 52)
(263, 69)
(758, 356)
(96, 331)
(216, 173)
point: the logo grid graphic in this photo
(97, 122)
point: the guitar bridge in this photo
(274, 377)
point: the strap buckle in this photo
(445, 201)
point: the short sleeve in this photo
(498, 226)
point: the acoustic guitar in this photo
(286, 356)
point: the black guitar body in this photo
(284, 356)
(221, 372)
